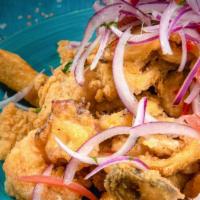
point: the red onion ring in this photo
(79, 70)
(151, 6)
(121, 159)
(184, 51)
(136, 39)
(88, 146)
(193, 94)
(16, 97)
(102, 46)
(187, 82)
(97, 6)
(182, 12)
(140, 117)
(123, 90)
(195, 5)
(164, 26)
(169, 128)
(196, 105)
(37, 191)
(107, 14)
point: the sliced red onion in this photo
(97, 6)
(129, 7)
(121, 159)
(187, 82)
(152, 29)
(182, 12)
(136, 39)
(37, 191)
(164, 27)
(132, 24)
(169, 128)
(74, 154)
(151, 6)
(141, 111)
(156, 15)
(196, 105)
(107, 14)
(16, 97)
(193, 94)
(102, 46)
(195, 5)
(88, 146)
(123, 90)
(123, 150)
(184, 51)
(79, 71)
(109, 2)
(192, 35)
(26, 108)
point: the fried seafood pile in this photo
(74, 113)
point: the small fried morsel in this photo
(15, 124)
(126, 182)
(25, 159)
(167, 89)
(192, 188)
(177, 162)
(107, 196)
(18, 74)
(70, 122)
(65, 52)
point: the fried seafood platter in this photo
(119, 119)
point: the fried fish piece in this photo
(167, 89)
(177, 162)
(70, 122)
(192, 188)
(126, 182)
(107, 196)
(15, 124)
(25, 159)
(17, 74)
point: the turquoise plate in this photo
(38, 44)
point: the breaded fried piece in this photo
(177, 162)
(192, 188)
(122, 118)
(25, 159)
(70, 122)
(107, 196)
(65, 52)
(126, 182)
(15, 124)
(18, 74)
(167, 90)
(60, 86)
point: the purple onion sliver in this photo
(187, 83)
(107, 14)
(135, 161)
(102, 46)
(184, 51)
(126, 96)
(193, 94)
(79, 69)
(36, 195)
